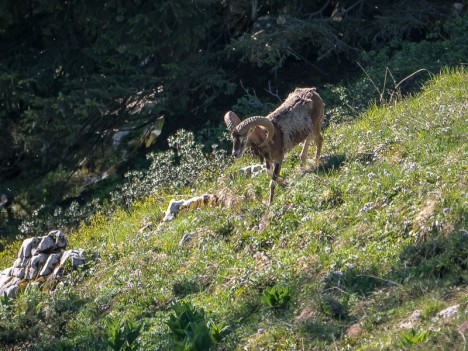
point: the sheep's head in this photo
(241, 131)
(239, 141)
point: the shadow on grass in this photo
(355, 281)
(184, 287)
(327, 163)
(441, 258)
(330, 162)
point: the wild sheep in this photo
(298, 119)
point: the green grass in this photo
(377, 232)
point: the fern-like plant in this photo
(122, 334)
(276, 296)
(193, 332)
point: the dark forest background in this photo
(86, 86)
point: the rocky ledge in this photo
(40, 258)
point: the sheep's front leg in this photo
(274, 179)
(269, 169)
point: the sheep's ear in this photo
(232, 120)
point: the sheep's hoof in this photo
(281, 182)
(313, 168)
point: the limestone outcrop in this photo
(175, 206)
(43, 258)
(223, 197)
(252, 170)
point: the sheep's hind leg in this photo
(304, 151)
(318, 141)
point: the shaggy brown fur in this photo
(298, 119)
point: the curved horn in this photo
(255, 121)
(232, 120)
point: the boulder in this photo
(175, 206)
(18, 263)
(47, 243)
(10, 291)
(18, 272)
(185, 239)
(38, 260)
(4, 280)
(30, 273)
(27, 247)
(61, 241)
(6, 271)
(50, 264)
(76, 258)
(172, 209)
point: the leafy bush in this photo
(250, 105)
(276, 296)
(410, 337)
(192, 331)
(184, 164)
(122, 334)
(341, 103)
(184, 287)
(218, 331)
(225, 228)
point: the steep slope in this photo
(367, 252)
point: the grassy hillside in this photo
(363, 253)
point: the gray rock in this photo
(27, 247)
(172, 209)
(13, 281)
(60, 239)
(245, 170)
(30, 273)
(11, 290)
(50, 264)
(4, 280)
(257, 168)
(76, 258)
(6, 271)
(185, 239)
(38, 260)
(25, 262)
(41, 256)
(252, 170)
(18, 263)
(47, 243)
(18, 272)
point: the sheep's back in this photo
(293, 119)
